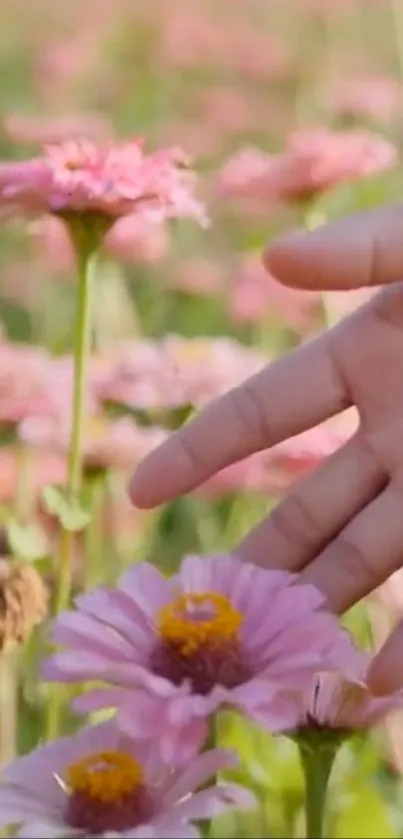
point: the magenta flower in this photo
(173, 651)
(112, 181)
(101, 783)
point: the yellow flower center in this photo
(196, 621)
(106, 777)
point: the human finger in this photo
(365, 249)
(291, 395)
(316, 510)
(363, 555)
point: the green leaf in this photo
(27, 542)
(70, 510)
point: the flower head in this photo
(77, 177)
(314, 161)
(23, 601)
(345, 700)
(221, 632)
(101, 783)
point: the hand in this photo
(342, 527)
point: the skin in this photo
(341, 528)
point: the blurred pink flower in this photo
(108, 444)
(24, 371)
(314, 161)
(255, 295)
(136, 239)
(198, 276)
(131, 239)
(45, 469)
(207, 367)
(273, 472)
(112, 181)
(101, 783)
(53, 398)
(174, 372)
(221, 632)
(26, 128)
(238, 46)
(373, 97)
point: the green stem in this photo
(211, 743)
(82, 347)
(317, 763)
(94, 540)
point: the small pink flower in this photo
(219, 633)
(111, 181)
(136, 239)
(345, 700)
(101, 783)
(175, 372)
(255, 294)
(314, 161)
(24, 371)
(108, 444)
(374, 97)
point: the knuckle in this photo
(359, 571)
(191, 451)
(249, 409)
(296, 522)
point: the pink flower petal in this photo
(147, 587)
(204, 766)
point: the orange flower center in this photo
(194, 622)
(106, 777)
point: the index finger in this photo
(291, 395)
(361, 250)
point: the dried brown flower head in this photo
(23, 601)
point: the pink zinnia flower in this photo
(101, 783)
(111, 181)
(314, 161)
(344, 700)
(107, 444)
(219, 633)
(374, 97)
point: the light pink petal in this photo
(115, 609)
(179, 745)
(165, 828)
(292, 603)
(252, 599)
(195, 575)
(70, 667)
(147, 587)
(97, 699)
(42, 830)
(18, 805)
(213, 802)
(78, 630)
(203, 767)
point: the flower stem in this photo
(317, 763)
(211, 743)
(82, 347)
